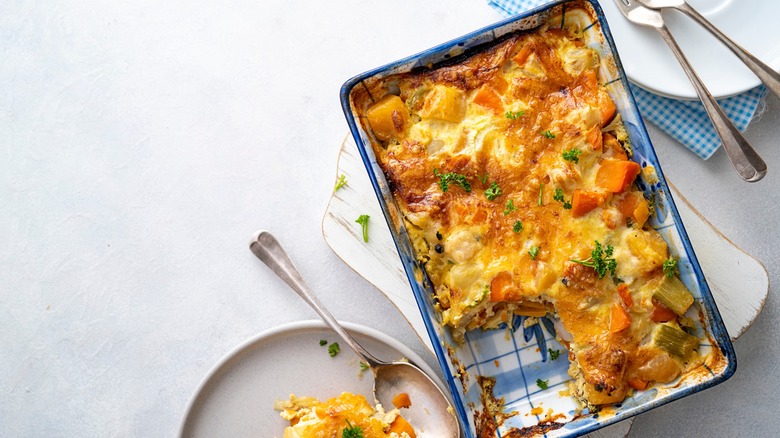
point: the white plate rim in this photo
(742, 79)
(297, 326)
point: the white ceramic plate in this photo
(649, 63)
(237, 396)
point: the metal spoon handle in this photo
(744, 158)
(265, 246)
(769, 77)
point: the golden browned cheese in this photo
(311, 418)
(510, 165)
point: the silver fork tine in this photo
(748, 164)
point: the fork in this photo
(768, 76)
(746, 161)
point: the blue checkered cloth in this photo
(686, 121)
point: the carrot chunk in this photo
(502, 288)
(620, 318)
(594, 138)
(662, 313)
(625, 295)
(638, 384)
(522, 56)
(641, 213)
(583, 202)
(612, 147)
(590, 80)
(402, 400)
(400, 425)
(616, 175)
(499, 84)
(627, 204)
(488, 98)
(606, 108)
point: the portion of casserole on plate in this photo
(513, 175)
(346, 415)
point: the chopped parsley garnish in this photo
(323, 342)
(483, 179)
(548, 134)
(533, 252)
(517, 227)
(364, 366)
(493, 191)
(445, 179)
(334, 349)
(513, 115)
(554, 353)
(363, 221)
(341, 182)
(670, 267)
(352, 431)
(541, 193)
(543, 384)
(510, 207)
(600, 260)
(572, 155)
(558, 196)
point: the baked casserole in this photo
(514, 178)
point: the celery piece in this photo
(672, 293)
(673, 340)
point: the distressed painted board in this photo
(740, 293)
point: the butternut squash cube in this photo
(444, 103)
(388, 118)
(649, 248)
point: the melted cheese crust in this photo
(506, 117)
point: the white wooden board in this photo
(738, 282)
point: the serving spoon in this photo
(430, 412)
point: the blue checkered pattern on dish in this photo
(686, 121)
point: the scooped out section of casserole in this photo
(344, 416)
(513, 173)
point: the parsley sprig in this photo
(572, 155)
(558, 196)
(352, 431)
(542, 384)
(334, 349)
(493, 191)
(554, 353)
(547, 133)
(445, 179)
(600, 260)
(518, 226)
(670, 267)
(341, 182)
(533, 252)
(363, 221)
(510, 207)
(514, 115)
